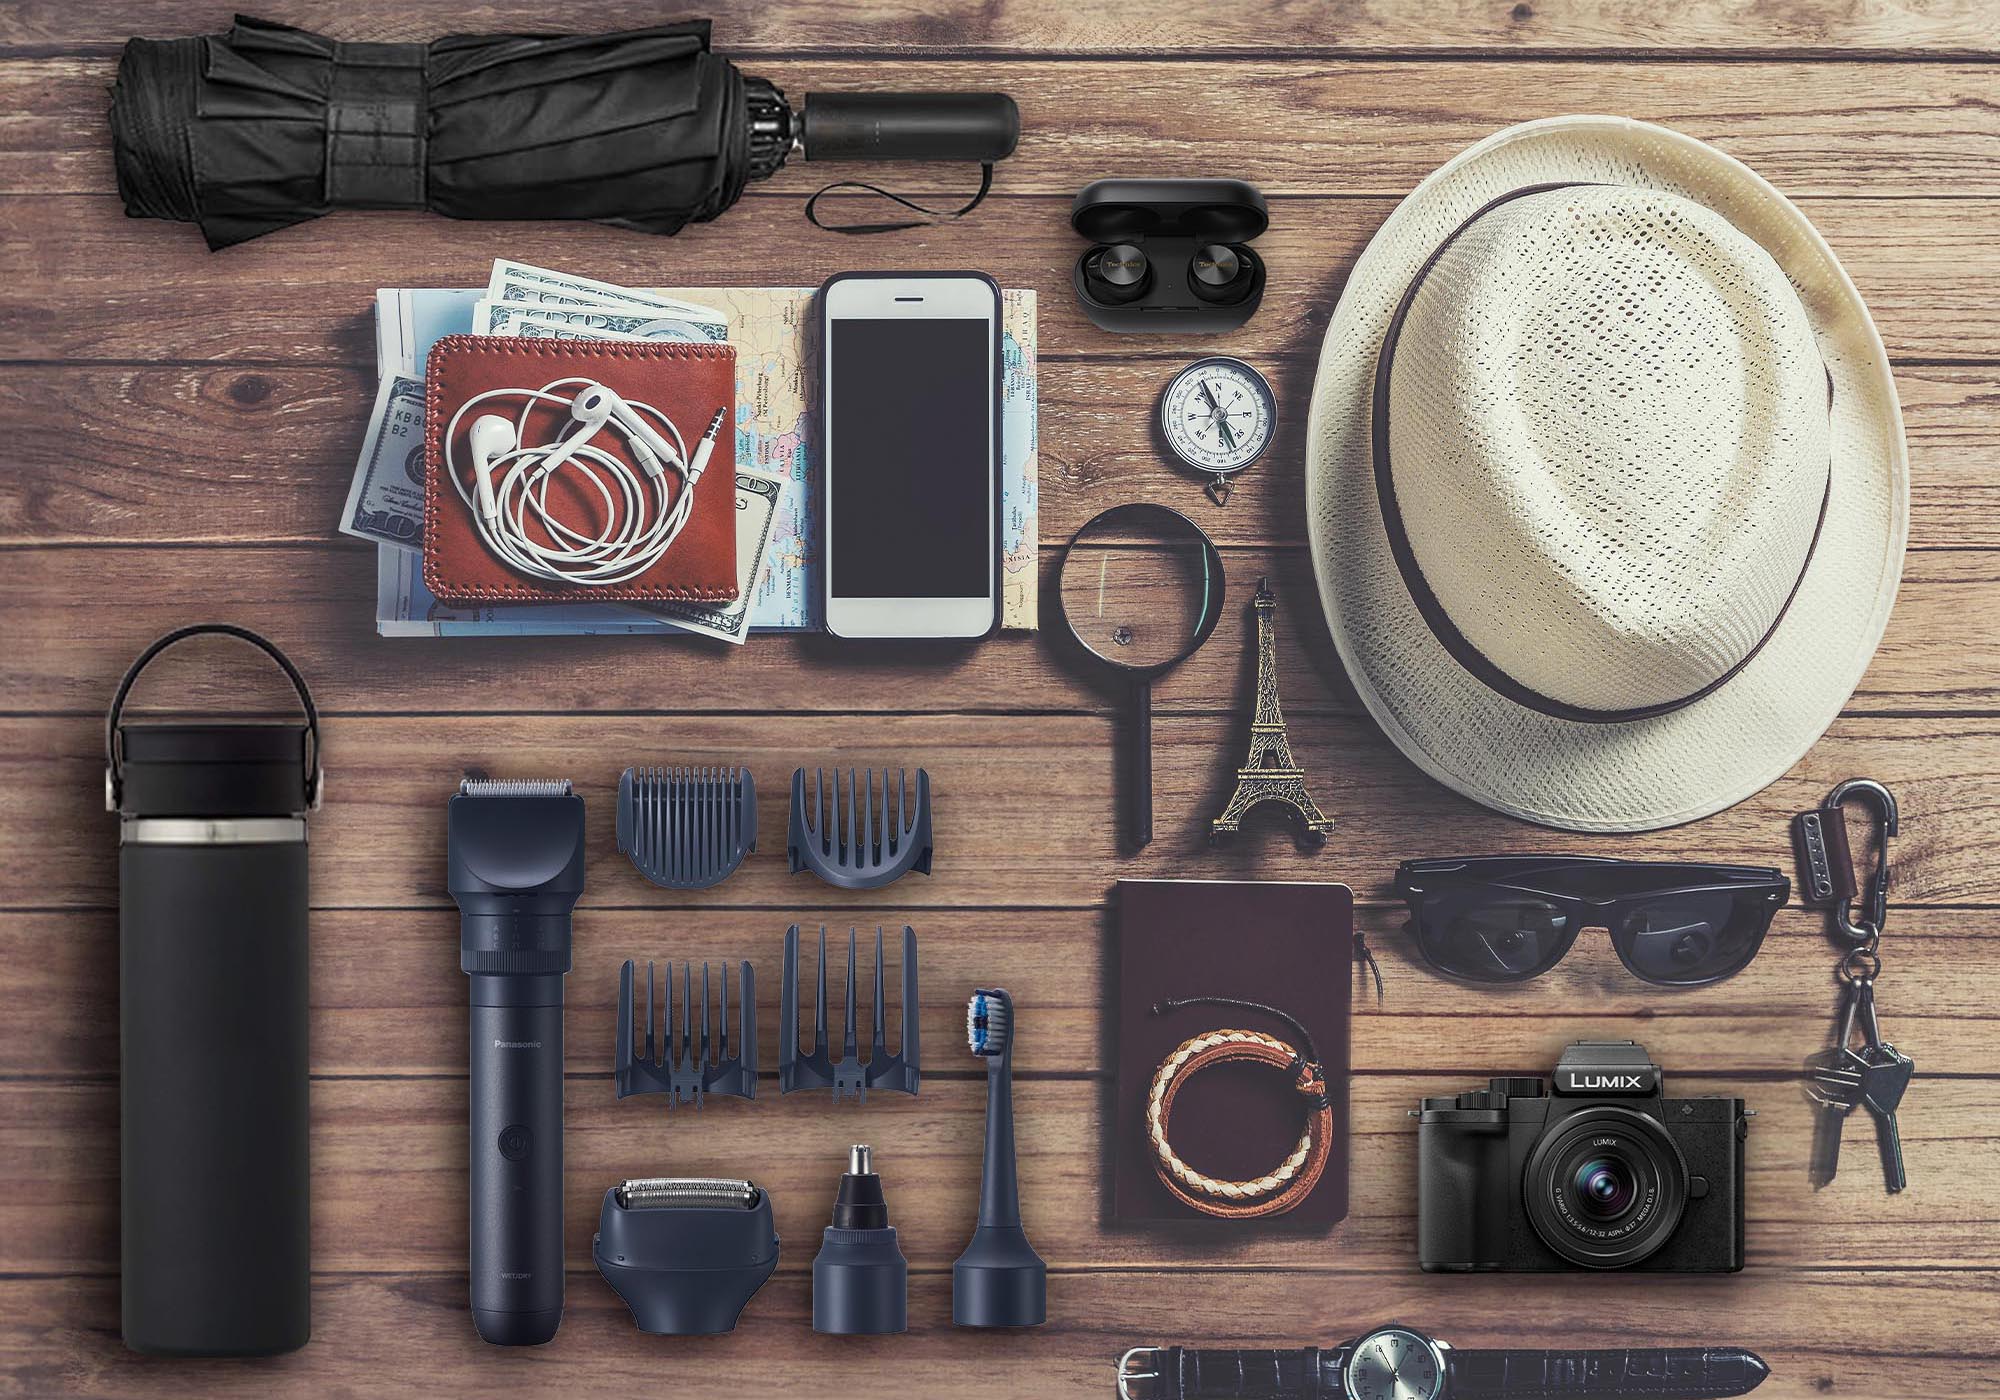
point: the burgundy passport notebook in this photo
(688, 381)
(1287, 945)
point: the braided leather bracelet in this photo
(1278, 1190)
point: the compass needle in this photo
(1217, 416)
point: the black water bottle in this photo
(213, 1006)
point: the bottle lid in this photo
(244, 769)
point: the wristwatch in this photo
(1400, 1363)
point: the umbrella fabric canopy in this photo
(267, 125)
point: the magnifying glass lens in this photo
(1141, 588)
(1136, 590)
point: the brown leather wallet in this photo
(688, 381)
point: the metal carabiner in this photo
(1869, 928)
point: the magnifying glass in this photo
(1141, 589)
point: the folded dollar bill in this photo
(538, 322)
(757, 496)
(404, 607)
(386, 497)
(385, 501)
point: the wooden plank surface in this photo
(1307, 126)
(1038, 28)
(156, 455)
(176, 433)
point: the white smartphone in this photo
(910, 454)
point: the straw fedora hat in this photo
(1605, 479)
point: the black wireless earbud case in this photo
(1169, 255)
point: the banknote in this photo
(405, 608)
(757, 495)
(385, 501)
(544, 322)
(512, 281)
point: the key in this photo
(1834, 1083)
(1885, 1076)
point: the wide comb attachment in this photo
(687, 1065)
(687, 828)
(818, 1069)
(860, 844)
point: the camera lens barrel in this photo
(1606, 1187)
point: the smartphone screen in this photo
(909, 453)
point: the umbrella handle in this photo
(941, 126)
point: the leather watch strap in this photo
(1303, 1373)
(1668, 1373)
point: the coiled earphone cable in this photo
(510, 483)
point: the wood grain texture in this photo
(389, 1000)
(78, 616)
(909, 30)
(1023, 805)
(254, 454)
(176, 435)
(1308, 126)
(1827, 1332)
(305, 295)
(389, 1175)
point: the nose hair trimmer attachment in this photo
(687, 828)
(867, 852)
(818, 1069)
(690, 1068)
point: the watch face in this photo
(1394, 1363)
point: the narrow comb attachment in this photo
(848, 1074)
(849, 837)
(686, 1064)
(687, 828)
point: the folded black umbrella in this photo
(266, 125)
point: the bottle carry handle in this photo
(114, 756)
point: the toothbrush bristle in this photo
(986, 1024)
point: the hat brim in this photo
(1650, 773)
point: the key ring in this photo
(1826, 861)
(1863, 964)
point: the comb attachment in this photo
(687, 1065)
(850, 837)
(687, 828)
(818, 1069)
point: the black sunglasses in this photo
(1509, 918)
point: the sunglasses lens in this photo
(1695, 937)
(1491, 936)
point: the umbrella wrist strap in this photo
(931, 216)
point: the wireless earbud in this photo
(1119, 273)
(1169, 256)
(1221, 274)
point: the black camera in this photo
(1597, 1169)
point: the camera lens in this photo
(1605, 1187)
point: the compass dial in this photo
(1394, 1363)
(1218, 415)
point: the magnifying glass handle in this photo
(1140, 784)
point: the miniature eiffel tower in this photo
(1269, 774)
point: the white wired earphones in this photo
(641, 520)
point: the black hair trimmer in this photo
(515, 857)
